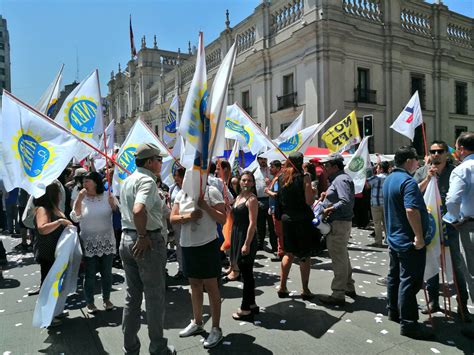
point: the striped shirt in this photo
(376, 192)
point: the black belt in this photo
(135, 231)
(262, 198)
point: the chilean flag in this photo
(409, 118)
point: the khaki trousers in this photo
(337, 242)
(379, 223)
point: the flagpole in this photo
(49, 120)
(104, 136)
(424, 137)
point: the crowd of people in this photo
(228, 225)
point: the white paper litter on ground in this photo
(383, 331)
(283, 321)
(436, 351)
(369, 341)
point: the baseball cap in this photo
(148, 150)
(80, 172)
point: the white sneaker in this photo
(191, 329)
(214, 338)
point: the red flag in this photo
(133, 50)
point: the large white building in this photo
(5, 74)
(322, 55)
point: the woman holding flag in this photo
(200, 255)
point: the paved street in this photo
(290, 326)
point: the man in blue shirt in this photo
(460, 206)
(406, 220)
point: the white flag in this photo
(291, 130)
(240, 127)
(409, 118)
(169, 133)
(297, 143)
(432, 239)
(217, 103)
(234, 158)
(61, 279)
(139, 133)
(357, 167)
(81, 113)
(99, 160)
(34, 150)
(47, 102)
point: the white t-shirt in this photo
(204, 230)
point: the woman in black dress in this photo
(294, 200)
(49, 225)
(244, 244)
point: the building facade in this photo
(320, 56)
(5, 73)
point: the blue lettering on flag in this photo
(171, 127)
(82, 115)
(33, 155)
(430, 234)
(238, 129)
(127, 160)
(290, 144)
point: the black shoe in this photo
(351, 294)
(307, 296)
(418, 334)
(468, 333)
(394, 317)
(243, 317)
(332, 301)
(465, 314)
(255, 309)
(432, 307)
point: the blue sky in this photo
(46, 33)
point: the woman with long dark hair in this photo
(49, 224)
(244, 244)
(294, 200)
(93, 211)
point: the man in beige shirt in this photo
(143, 252)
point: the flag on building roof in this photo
(47, 102)
(358, 165)
(133, 50)
(241, 127)
(342, 135)
(172, 121)
(409, 118)
(34, 150)
(81, 113)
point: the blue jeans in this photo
(144, 275)
(102, 264)
(432, 285)
(404, 280)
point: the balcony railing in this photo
(365, 96)
(285, 101)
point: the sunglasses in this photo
(439, 151)
(160, 159)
